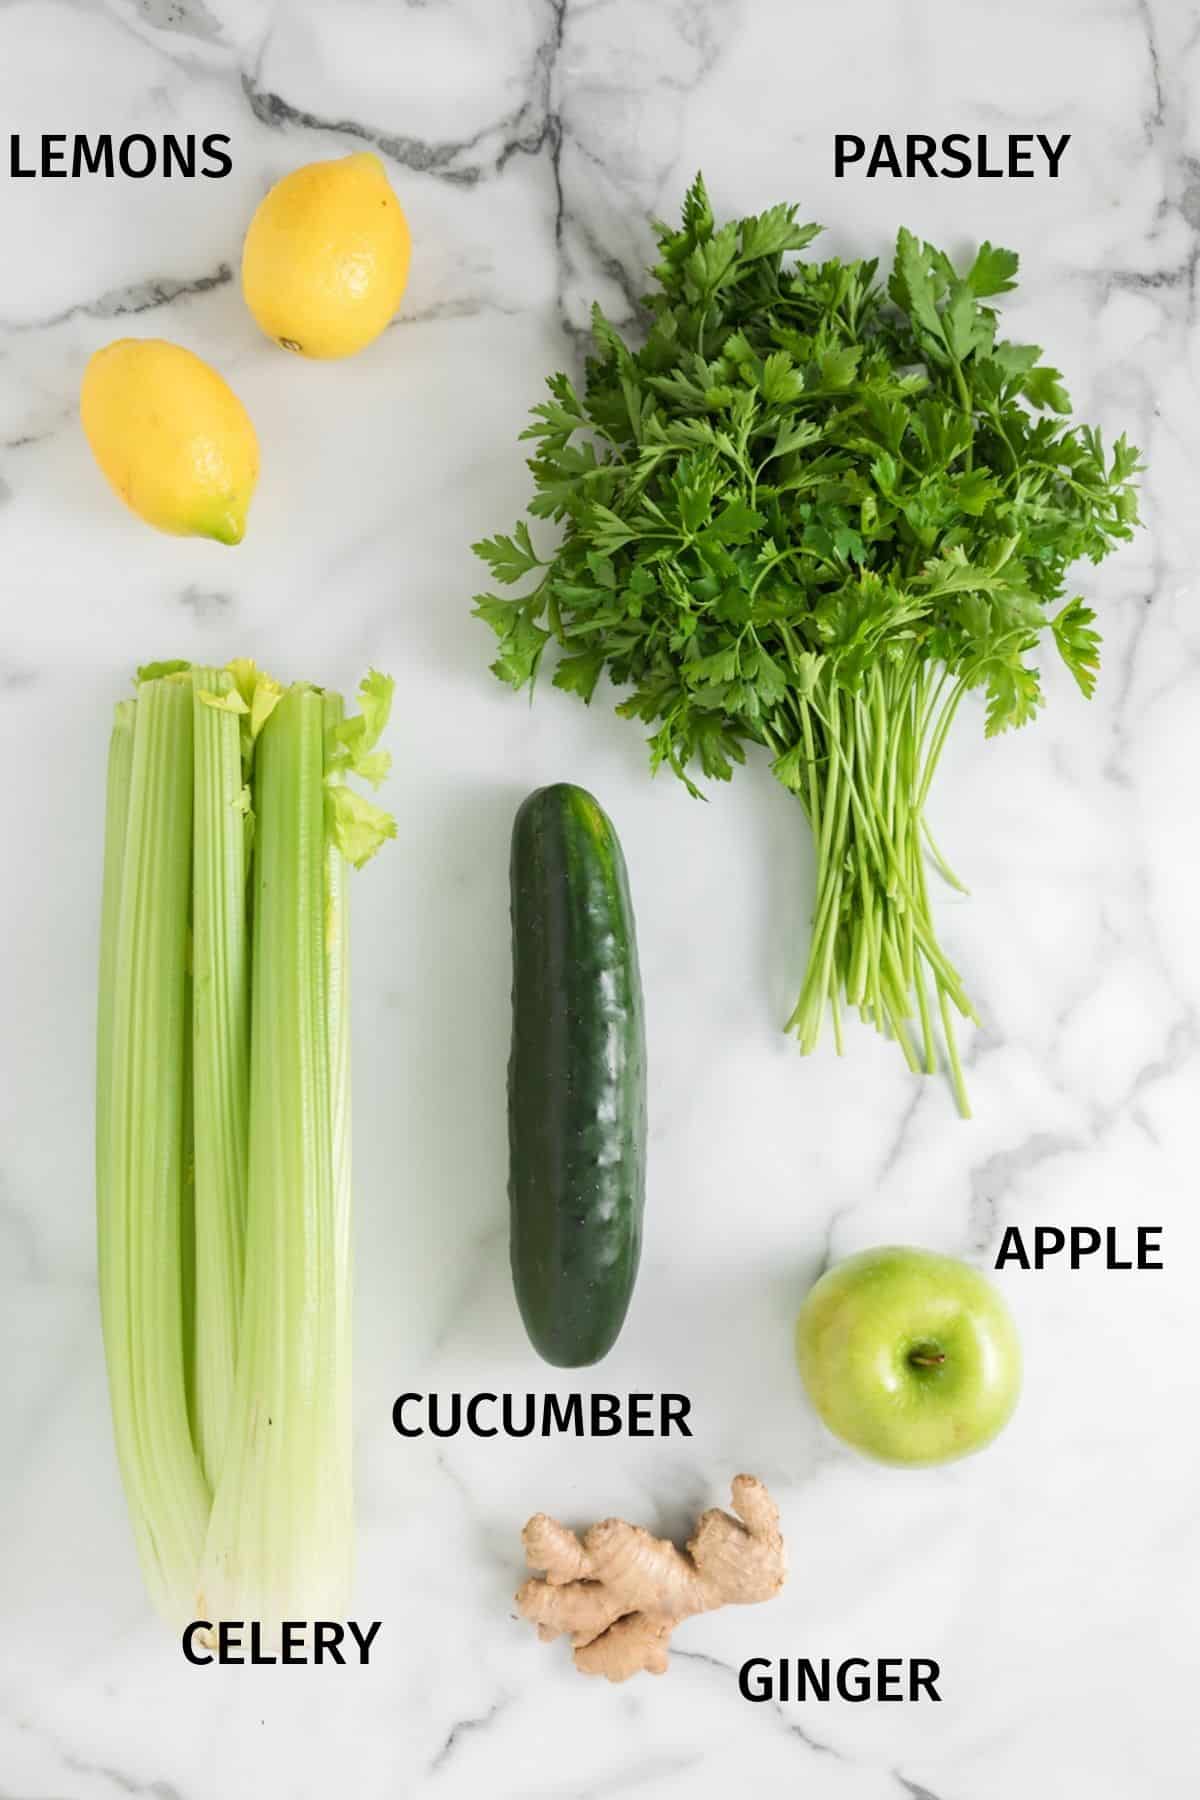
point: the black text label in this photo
(542, 1415)
(296, 1641)
(1110, 1248)
(857, 1678)
(69, 155)
(1023, 154)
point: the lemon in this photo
(172, 437)
(326, 257)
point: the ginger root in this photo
(618, 1593)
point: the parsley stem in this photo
(869, 757)
(836, 1011)
(814, 804)
(945, 720)
(994, 416)
(960, 1086)
(945, 871)
(964, 399)
(930, 1063)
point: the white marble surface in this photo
(1055, 1578)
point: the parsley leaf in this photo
(1078, 644)
(509, 558)
(993, 271)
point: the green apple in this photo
(912, 1358)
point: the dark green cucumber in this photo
(576, 1079)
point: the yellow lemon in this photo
(172, 438)
(326, 257)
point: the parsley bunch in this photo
(811, 513)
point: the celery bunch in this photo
(223, 1130)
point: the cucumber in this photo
(576, 1079)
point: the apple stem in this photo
(926, 1357)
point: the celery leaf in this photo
(358, 827)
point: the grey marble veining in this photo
(531, 141)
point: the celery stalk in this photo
(221, 1061)
(223, 1131)
(337, 1005)
(140, 1142)
(116, 822)
(278, 1539)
